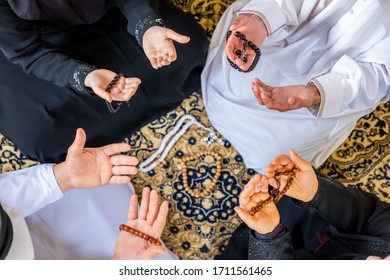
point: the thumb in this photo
(79, 142)
(177, 37)
(298, 161)
(103, 94)
(244, 215)
(151, 252)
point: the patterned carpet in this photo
(199, 228)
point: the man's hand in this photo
(94, 167)
(305, 183)
(148, 219)
(254, 29)
(268, 218)
(286, 98)
(158, 45)
(123, 90)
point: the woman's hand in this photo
(158, 45)
(265, 220)
(123, 90)
(305, 183)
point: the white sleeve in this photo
(355, 85)
(279, 13)
(29, 189)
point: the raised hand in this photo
(265, 220)
(148, 219)
(158, 45)
(254, 29)
(285, 98)
(124, 89)
(94, 167)
(305, 183)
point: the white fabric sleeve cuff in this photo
(329, 83)
(269, 11)
(29, 189)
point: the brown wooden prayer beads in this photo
(140, 234)
(290, 180)
(208, 189)
(108, 89)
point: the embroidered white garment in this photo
(340, 45)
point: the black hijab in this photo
(60, 11)
(6, 233)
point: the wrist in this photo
(62, 177)
(316, 94)
(261, 25)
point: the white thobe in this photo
(341, 46)
(82, 224)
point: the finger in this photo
(153, 62)
(267, 98)
(124, 170)
(172, 55)
(282, 160)
(103, 93)
(78, 143)
(257, 93)
(161, 219)
(118, 88)
(165, 62)
(300, 162)
(151, 252)
(373, 258)
(264, 184)
(278, 164)
(248, 191)
(256, 198)
(119, 180)
(117, 148)
(153, 208)
(245, 216)
(135, 81)
(143, 211)
(124, 160)
(232, 44)
(182, 39)
(133, 208)
(258, 183)
(263, 86)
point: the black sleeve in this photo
(140, 15)
(351, 210)
(278, 247)
(22, 44)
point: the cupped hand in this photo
(285, 98)
(305, 183)
(265, 220)
(254, 29)
(158, 45)
(123, 90)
